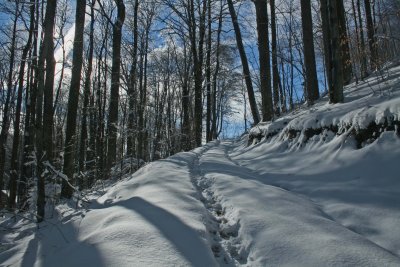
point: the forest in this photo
(93, 89)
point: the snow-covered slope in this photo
(154, 218)
(317, 187)
(371, 107)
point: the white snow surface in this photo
(280, 202)
(374, 100)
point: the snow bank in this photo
(370, 108)
(154, 218)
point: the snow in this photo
(283, 200)
(281, 227)
(374, 100)
(153, 218)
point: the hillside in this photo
(317, 187)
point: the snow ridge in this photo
(371, 107)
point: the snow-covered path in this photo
(259, 224)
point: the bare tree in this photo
(132, 84)
(371, 35)
(245, 64)
(312, 92)
(14, 174)
(336, 94)
(208, 73)
(112, 126)
(264, 56)
(344, 44)
(44, 109)
(70, 133)
(6, 112)
(89, 156)
(275, 73)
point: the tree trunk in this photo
(112, 126)
(327, 40)
(344, 44)
(264, 57)
(83, 156)
(363, 59)
(6, 116)
(312, 90)
(197, 51)
(371, 35)
(336, 90)
(275, 72)
(357, 29)
(44, 111)
(100, 129)
(48, 109)
(214, 134)
(15, 148)
(208, 75)
(70, 132)
(142, 136)
(245, 64)
(30, 118)
(141, 104)
(132, 84)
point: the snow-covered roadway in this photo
(264, 225)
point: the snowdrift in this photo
(371, 107)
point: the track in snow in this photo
(223, 232)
